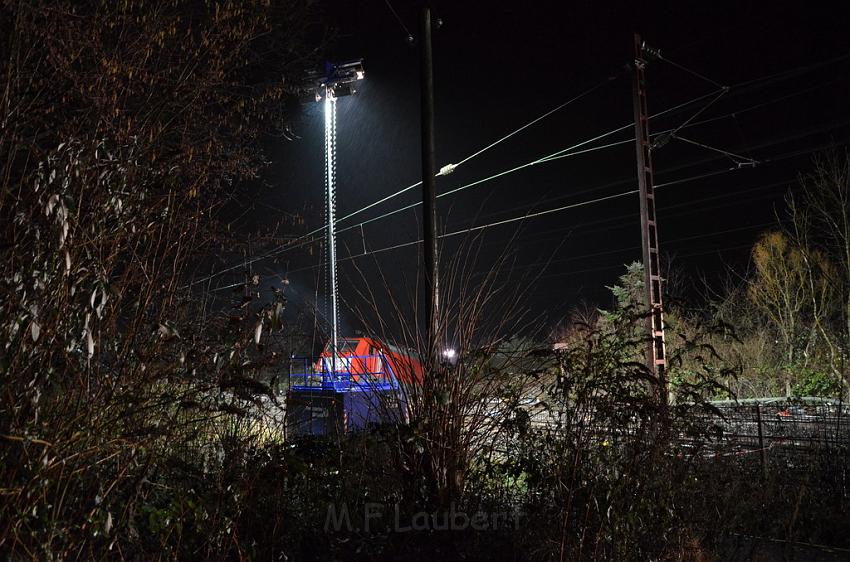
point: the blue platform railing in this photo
(353, 373)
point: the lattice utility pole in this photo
(656, 358)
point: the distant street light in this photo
(449, 356)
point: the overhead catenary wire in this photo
(533, 215)
(541, 160)
(637, 247)
(694, 124)
(792, 72)
(443, 171)
(763, 160)
(697, 177)
(559, 154)
(619, 265)
(585, 93)
(307, 239)
(616, 195)
(545, 212)
(660, 56)
(737, 158)
(595, 254)
(399, 20)
(452, 167)
(757, 106)
(628, 220)
(475, 228)
(661, 139)
(673, 134)
(554, 156)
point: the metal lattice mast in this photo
(656, 358)
(330, 214)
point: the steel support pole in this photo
(656, 359)
(429, 184)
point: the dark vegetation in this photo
(134, 422)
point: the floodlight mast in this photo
(330, 215)
(339, 80)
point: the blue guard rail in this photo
(354, 373)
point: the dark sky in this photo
(499, 65)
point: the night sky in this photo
(499, 65)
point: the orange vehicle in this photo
(366, 383)
(370, 360)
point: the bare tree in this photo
(820, 225)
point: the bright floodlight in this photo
(449, 353)
(338, 79)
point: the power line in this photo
(619, 265)
(563, 153)
(809, 132)
(758, 105)
(400, 21)
(736, 158)
(634, 248)
(630, 219)
(536, 214)
(547, 114)
(689, 71)
(443, 171)
(473, 229)
(572, 205)
(305, 239)
(556, 155)
(793, 72)
(540, 213)
(451, 168)
(624, 193)
(707, 160)
(566, 152)
(686, 122)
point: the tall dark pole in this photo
(429, 184)
(656, 359)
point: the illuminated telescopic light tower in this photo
(338, 80)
